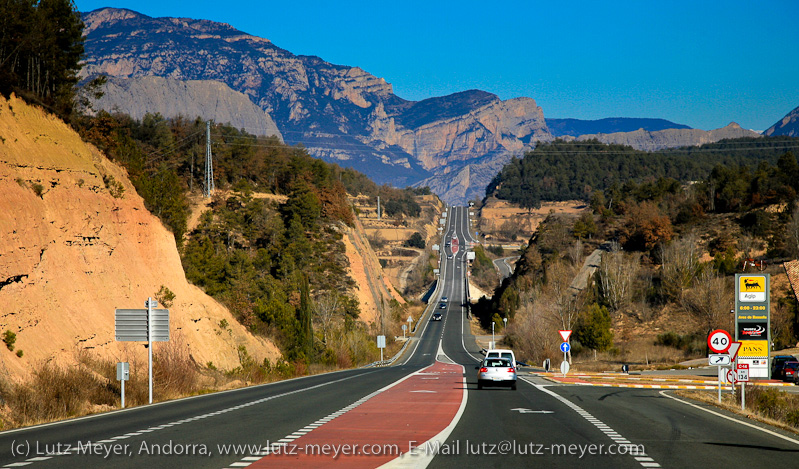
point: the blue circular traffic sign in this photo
(565, 347)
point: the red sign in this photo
(719, 341)
(742, 366)
(565, 335)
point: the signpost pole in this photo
(719, 369)
(150, 344)
(743, 395)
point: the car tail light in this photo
(483, 370)
(511, 370)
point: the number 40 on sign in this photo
(719, 341)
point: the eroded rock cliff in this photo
(76, 242)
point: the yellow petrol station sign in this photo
(752, 288)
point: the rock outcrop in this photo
(341, 114)
(210, 100)
(788, 125)
(76, 242)
(671, 138)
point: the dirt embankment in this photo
(388, 234)
(76, 242)
(499, 218)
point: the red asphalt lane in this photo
(415, 410)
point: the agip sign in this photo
(752, 322)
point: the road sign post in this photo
(753, 322)
(564, 368)
(381, 344)
(150, 305)
(743, 377)
(719, 342)
(565, 334)
(123, 374)
(143, 325)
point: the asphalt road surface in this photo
(429, 391)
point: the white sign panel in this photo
(130, 325)
(758, 367)
(719, 360)
(381, 341)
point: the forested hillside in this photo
(575, 170)
(41, 46)
(269, 263)
(668, 253)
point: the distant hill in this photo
(671, 138)
(788, 125)
(577, 127)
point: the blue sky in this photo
(701, 63)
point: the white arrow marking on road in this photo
(529, 411)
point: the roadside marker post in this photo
(381, 344)
(743, 377)
(123, 374)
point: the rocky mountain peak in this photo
(788, 125)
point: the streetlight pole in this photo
(492, 335)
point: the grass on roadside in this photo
(764, 404)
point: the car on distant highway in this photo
(777, 363)
(442, 306)
(449, 256)
(790, 371)
(496, 372)
(436, 317)
(444, 299)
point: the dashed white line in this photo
(611, 433)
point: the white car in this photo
(496, 372)
(502, 353)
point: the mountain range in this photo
(788, 125)
(610, 125)
(454, 144)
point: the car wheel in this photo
(479, 384)
(513, 386)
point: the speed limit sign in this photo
(719, 341)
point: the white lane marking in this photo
(765, 430)
(172, 424)
(612, 434)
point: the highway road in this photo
(427, 405)
(503, 267)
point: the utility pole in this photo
(378, 207)
(209, 165)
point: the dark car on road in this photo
(790, 371)
(777, 363)
(436, 317)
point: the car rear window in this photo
(497, 363)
